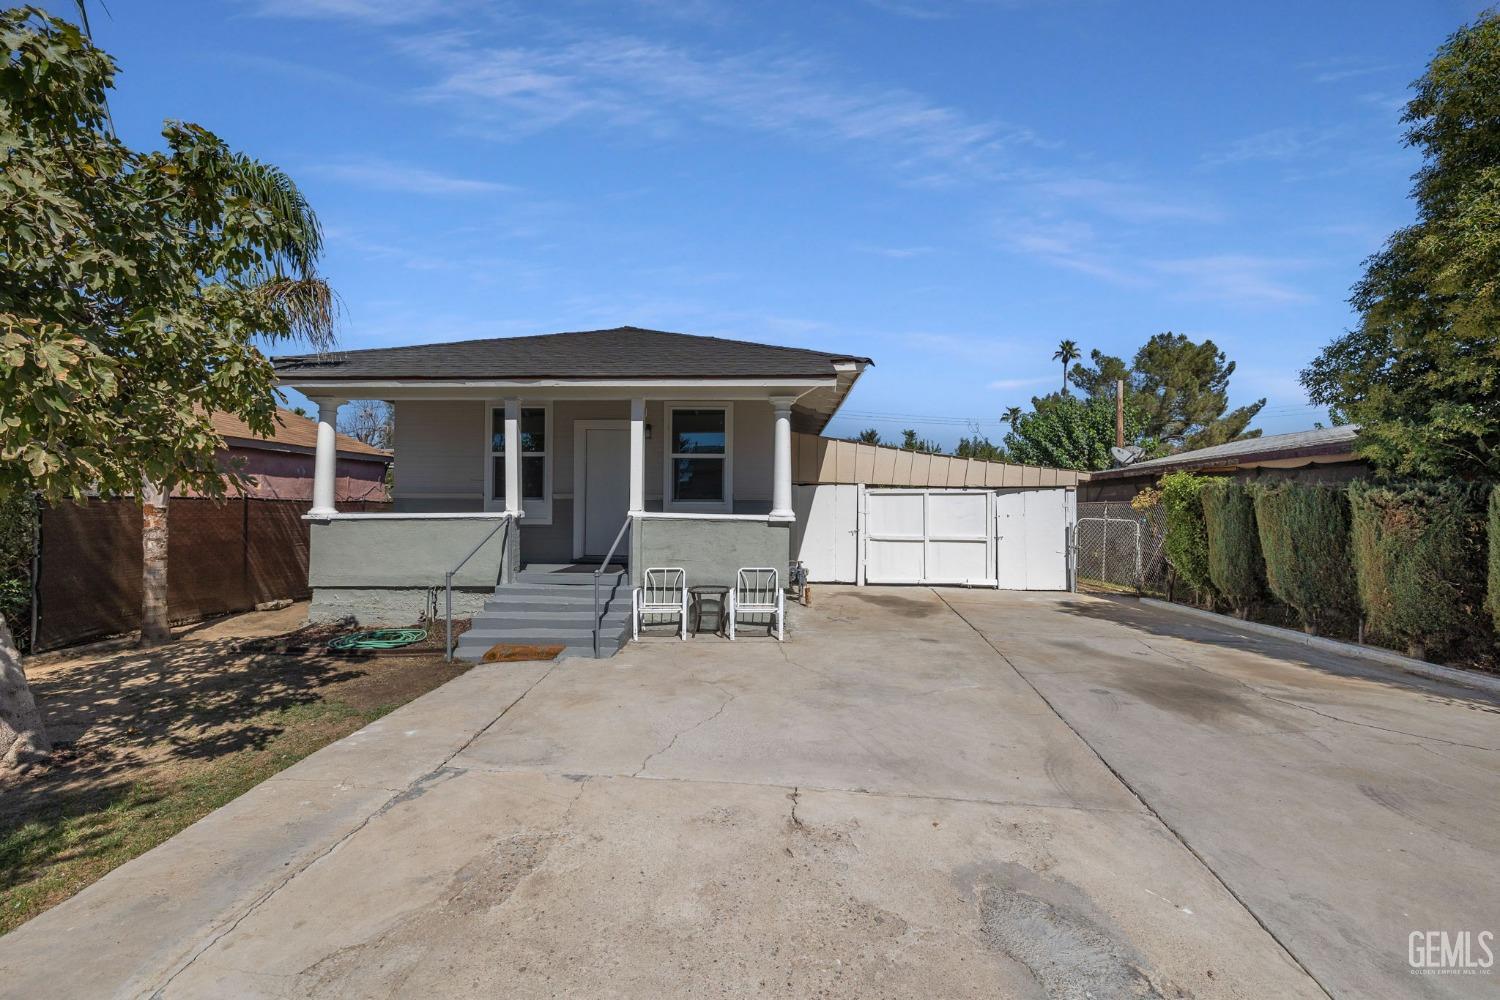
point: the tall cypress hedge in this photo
(1417, 559)
(1186, 541)
(1304, 538)
(1234, 560)
(1494, 533)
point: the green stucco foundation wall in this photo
(710, 551)
(378, 570)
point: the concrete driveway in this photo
(924, 793)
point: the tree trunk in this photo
(154, 628)
(22, 738)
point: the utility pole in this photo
(1119, 413)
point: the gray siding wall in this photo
(439, 456)
(711, 552)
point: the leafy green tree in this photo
(132, 287)
(1420, 374)
(1068, 432)
(1067, 352)
(869, 436)
(980, 448)
(1011, 415)
(1180, 386)
(910, 442)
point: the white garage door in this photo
(929, 536)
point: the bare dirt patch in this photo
(149, 741)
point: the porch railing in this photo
(505, 524)
(600, 572)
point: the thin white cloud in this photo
(383, 175)
(633, 83)
(1234, 278)
(1010, 384)
(376, 12)
(896, 253)
(1126, 202)
(1272, 144)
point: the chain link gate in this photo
(1119, 545)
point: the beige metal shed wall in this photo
(818, 460)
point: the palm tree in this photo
(1067, 352)
(1011, 415)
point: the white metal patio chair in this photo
(757, 591)
(663, 591)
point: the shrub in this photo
(1494, 533)
(17, 537)
(1304, 540)
(1416, 551)
(1186, 541)
(1234, 561)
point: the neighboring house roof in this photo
(293, 433)
(625, 353)
(1322, 444)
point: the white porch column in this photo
(513, 502)
(637, 456)
(781, 463)
(325, 460)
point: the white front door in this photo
(606, 487)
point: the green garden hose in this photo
(381, 638)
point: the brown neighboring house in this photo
(1321, 455)
(282, 465)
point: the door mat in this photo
(510, 652)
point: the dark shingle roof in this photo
(624, 352)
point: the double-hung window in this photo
(698, 460)
(536, 462)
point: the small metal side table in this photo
(714, 599)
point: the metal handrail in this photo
(600, 572)
(505, 523)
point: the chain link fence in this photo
(1121, 546)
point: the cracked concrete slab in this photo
(884, 806)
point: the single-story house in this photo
(1321, 455)
(525, 462)
(282, 464)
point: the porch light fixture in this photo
(648, 432)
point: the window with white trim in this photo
(698, 440)
(536, 461)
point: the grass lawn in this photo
(151, 741)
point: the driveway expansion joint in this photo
(412, 790)
(1244, 904)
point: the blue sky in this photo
(947, 186)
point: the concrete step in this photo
(542, 621)
(581, 596)
(539, 634)
(570, 575)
